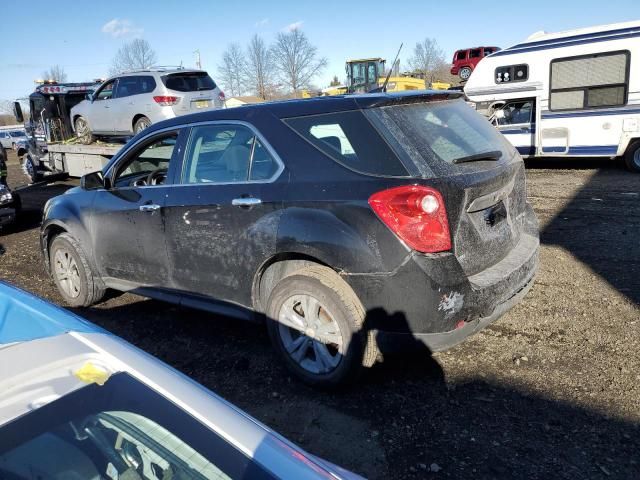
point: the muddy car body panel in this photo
(221, 244)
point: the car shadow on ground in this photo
(467, 429)
(600, 223)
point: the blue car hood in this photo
(25, 317)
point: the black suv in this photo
(356, 225)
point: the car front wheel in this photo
(83, 131)
(72, 274)
(316, 324)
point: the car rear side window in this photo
(349, 139)
(188, 81)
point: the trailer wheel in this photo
(632, 157)
(83, 131)
(31, 169)
(465, 73)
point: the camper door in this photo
(516, 121)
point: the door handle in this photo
(149, 208)
(245, 201)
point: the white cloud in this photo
(293, 26)
(262, 23)
(119, 28)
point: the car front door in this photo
(128, 218)
(220, 220)
(517, 123)
(99, 115)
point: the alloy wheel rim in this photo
(636, 157)
(30, 168)
(142, 126)
(67, 273)
(81, 127)
(465, 73)
(310, 335)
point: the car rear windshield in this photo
(349, 139)
(188, 82)
(441, 136)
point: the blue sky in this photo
(83, 40)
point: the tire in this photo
(632, 157)
(141, 124)
(67, 260)
(465, 73)
(31, 169)
(340, 317)
(83, 131)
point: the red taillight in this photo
(416, 214)
(221, 96)
(166, 100)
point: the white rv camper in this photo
(573, 94)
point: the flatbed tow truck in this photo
(52, 153)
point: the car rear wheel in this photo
(72, 274)
(465, 73)
(632, 157)
(83, 131)
(141, 124)
(315, 322)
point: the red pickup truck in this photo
(464, 61)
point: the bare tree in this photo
(428, 59)
(335, 82)
(259, 71)
(55, 73)
(233, 70)
(135, 55)
(296, 59)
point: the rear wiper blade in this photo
(477, 157)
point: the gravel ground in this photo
(551, 390)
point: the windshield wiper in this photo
(492, 155)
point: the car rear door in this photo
(128, 222)
(220, 219)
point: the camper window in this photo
(512, 73)
(589, 81)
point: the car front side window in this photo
(106, 92)
(148, 164)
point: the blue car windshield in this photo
(122, 429)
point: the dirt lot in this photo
(552, 390)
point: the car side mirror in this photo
(93, 181)
(89, 96)
(17, 112)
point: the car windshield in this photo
(188, 82)
(437, 135)
(122, 429)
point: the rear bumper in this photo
(435, 342)
(429, 300)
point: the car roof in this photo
(310, 106)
